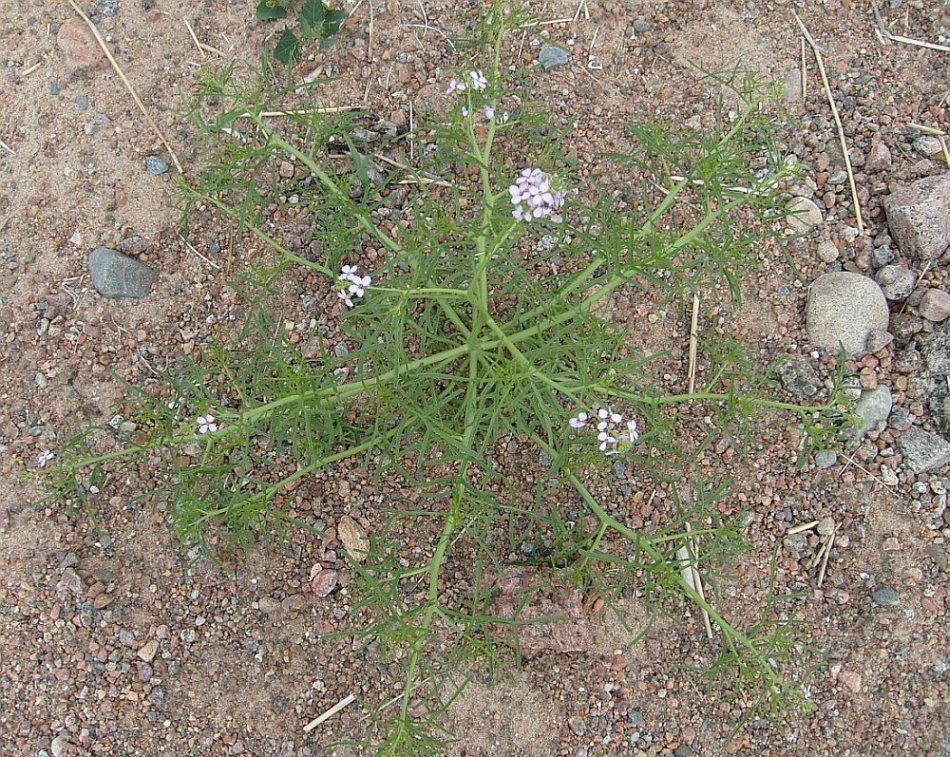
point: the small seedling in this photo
(315, 20)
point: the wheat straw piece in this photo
(698, 585)
(194, 38)
(128, 85)
(6, 147)
(348, 699)
(693, 343)
(834, 112)
(802, 527)
(804, 72)
(824, 562)
(202, 47)
(191, 247)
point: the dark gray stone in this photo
(115, 275)
(896, 281)
(799, 377)
(886, 597)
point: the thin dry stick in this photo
(6, 147)
(194, 38)
(804, 72)
(202, 47)
(917, 42)
(310, 111)
(192, 248)
(824, 562)
(698, 585)
(834, 112)
(128, 85)
(329, 713)
(802, 527)
(693, 343)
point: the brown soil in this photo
(243, 662)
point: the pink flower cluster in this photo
(353, 284)
(533, 196)
(612, 430)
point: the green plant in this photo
(477, 328)
(314, 20)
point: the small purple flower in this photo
(579, 420)
(489, 112)
(456, 86)
(533, 196)
(44, 457)
(207, 424)
(479, 80)
(354, 284)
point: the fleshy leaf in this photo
(269, 10)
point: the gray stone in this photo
(827, 251)
(896, 281)
(115, 275)
(922, 450)
(900, 419)
(879, 158)
(930, 379)
(886, 597)
(927, 145)
(155, 165)
(877, 340)
(881, 256)
(552, 56)
(799, 377)
(918, 216)
(873, 408)
(826, 458)
(935, 305)
(904, 326)
(803, 215)
(843, 309)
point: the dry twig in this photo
(840, 127)
(348, 699)
(128, 85)
(693, 343)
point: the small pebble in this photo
(155, 165)
(552, 56)
(826, 458)
(886, 597)
(577, 724)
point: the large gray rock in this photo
(922, 450)
(115, 275)
(843, 309)
(918, 216)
